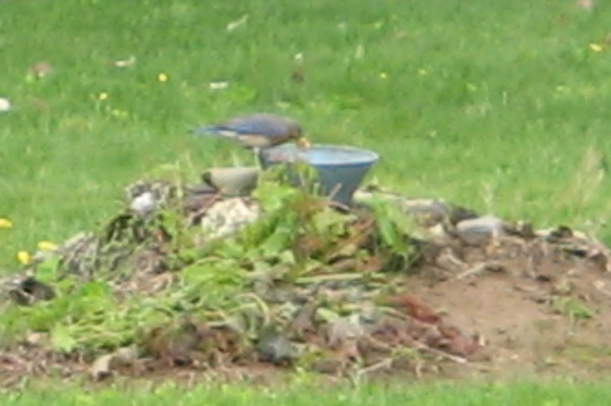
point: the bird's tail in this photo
(206, 130)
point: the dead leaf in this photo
(416, 308)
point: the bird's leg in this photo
(256, 151)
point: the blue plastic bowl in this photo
(341, 169)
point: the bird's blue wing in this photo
(256, 125)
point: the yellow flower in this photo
(594, 47)
(5, 223)
(102, 96)
(162, 77)
(47, 246)
(23, 257)
(383, 75)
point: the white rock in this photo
(144, 203)
(228, 216)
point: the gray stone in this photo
(479, 231)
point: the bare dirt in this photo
(537, 309)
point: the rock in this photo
(479, 231)
(232, 182)
(29, 290)
(143, 204)
(275, 347)
(102, 367)
(228, 216)
(144, 197)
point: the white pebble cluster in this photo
(228, 216)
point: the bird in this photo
(257, 131)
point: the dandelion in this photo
(24, 257)
(594, 47)
(102, 96)
(162, 77)
(47, 246)
(5, 223)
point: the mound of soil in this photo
(480, 297)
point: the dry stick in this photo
(455, 260)
(355, 377)
(476, 270)
(454, 358)
(385, 363)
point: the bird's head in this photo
(298, 136)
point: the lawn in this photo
(560, 393)
(499, 106)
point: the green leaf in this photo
(62, 339)
(329, 221)
(46, 271)
(278, 241)
(393, 225)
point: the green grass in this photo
(500, 106)
(526, 394)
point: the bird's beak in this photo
(303, 143)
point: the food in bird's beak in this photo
(303, 143)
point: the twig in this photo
(473, 271)
(454, 358)
(384, 364)
(356, 377)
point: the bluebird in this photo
(257, 131)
